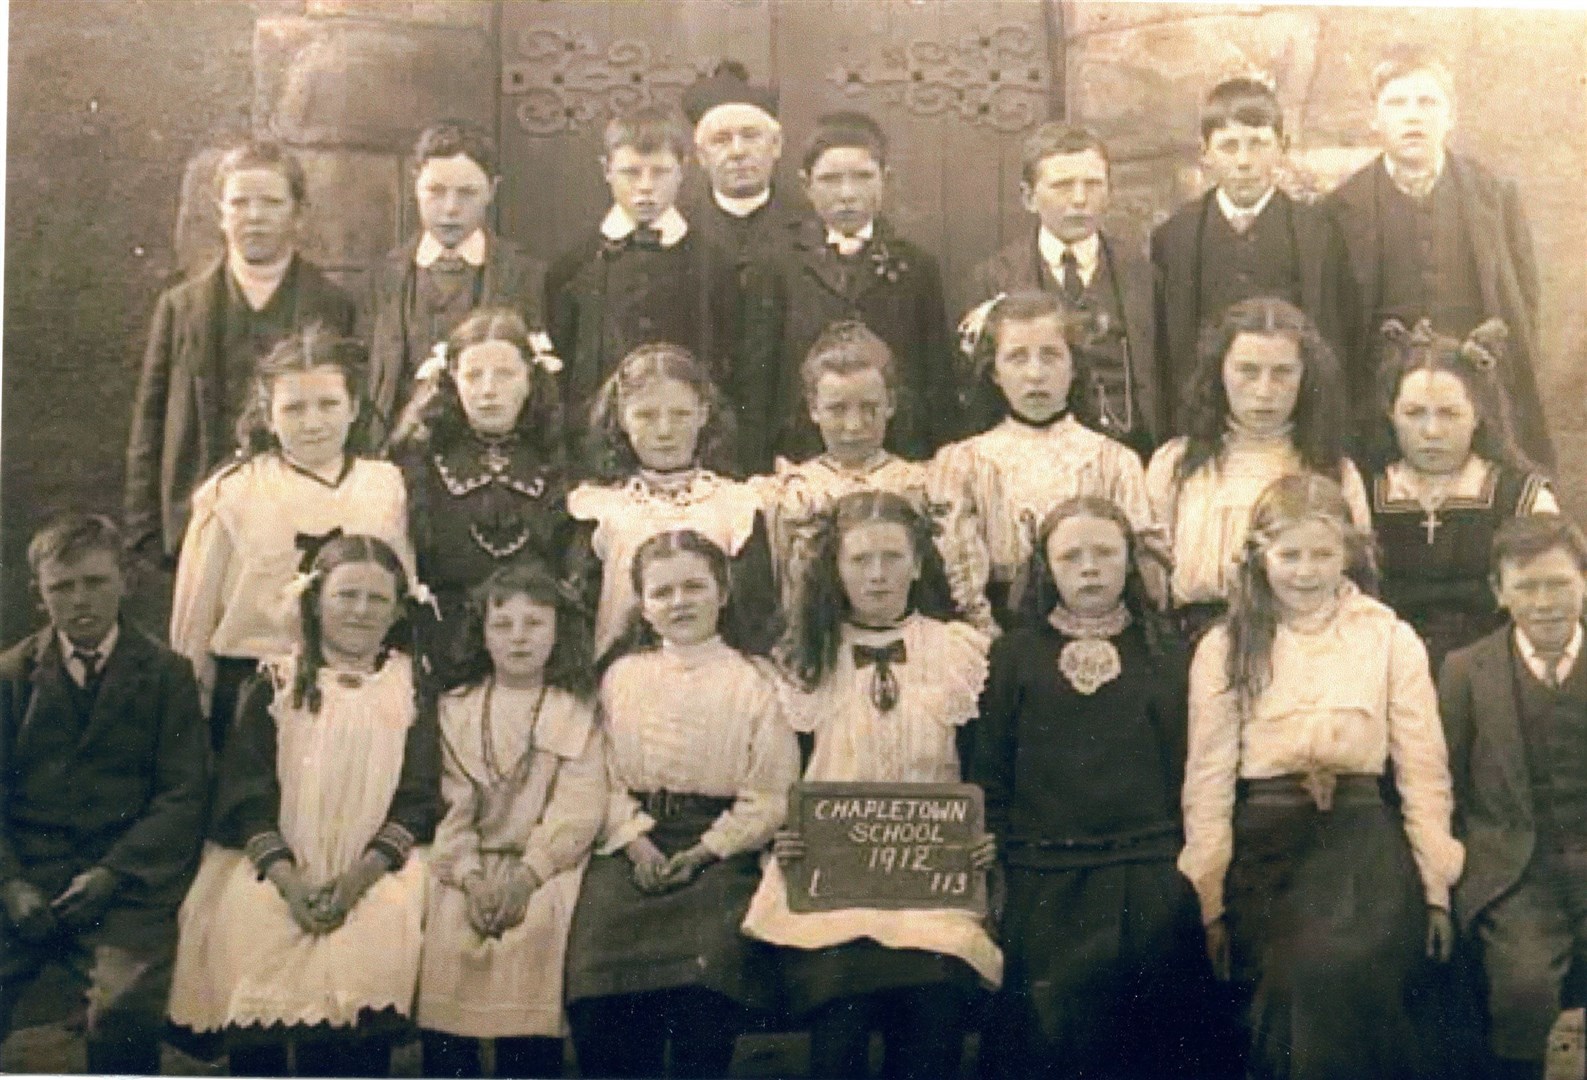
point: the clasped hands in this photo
(321, 909)
(498, 902)
(35, 916)
(655, 873)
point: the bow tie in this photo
(310, 544)
(884, 684)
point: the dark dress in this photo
(1106, 967)
(473, 506)
(1435, 577)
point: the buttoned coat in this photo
(1506, 274)
(178, 432)
(510, 278)
(1328, 293)
(1494, 814)
(139, 776)
(1020, 267)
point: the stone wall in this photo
(1138, 70)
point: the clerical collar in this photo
(471, 251)
(741, 207)
(1416, 184)
(1087, 252)
(258, 282)
(618, 223)
(1231, 212)
(1073, 624)
(1038, 425)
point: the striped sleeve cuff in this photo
(394, 842)
(265, 849)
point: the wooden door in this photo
(956, 84)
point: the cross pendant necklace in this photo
(1431, 524)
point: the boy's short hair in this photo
(836, 130)
(1404, 59)
(1242, 100)
(262, 154)
(844, 348)
(649, 129)
(450, 138)
(1530, 535)
(68, 537)
(1053, 138)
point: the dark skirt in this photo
(812, 978)
(1107, 975)
(1328, 923)
(625, 942)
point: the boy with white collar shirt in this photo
(643, 275)
(846, 262)
(433, 281)
(1514, 707)
(1246, 238)
(1066, 184)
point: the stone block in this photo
(359, 9)
(1142, 86)
(462, 13)
(1086, 17)
(350, 217)
(368, 85)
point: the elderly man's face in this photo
(738, 145)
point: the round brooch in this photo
(1089, 664)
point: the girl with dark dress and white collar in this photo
(481, 450)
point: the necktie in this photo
(645, 238)
(1069, 277)
(884, 684)
(89, 658)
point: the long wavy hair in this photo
(342, 551)
(1254, 610)
(1041, 596)
(307, 349)
(986, 405)
(443, 422)
(1475, 362)
(809, 649)
(734, 623)
(1319, 418)
(571, 665)
(609, 456)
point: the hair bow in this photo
(973, 325)
(311, 544)
(434, 365)
(543, 352)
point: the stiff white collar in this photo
(1539, 667)
(741, 207)
(471, 251)
(1233, 213)
(850, 244)
(1088, 253)
(618, 224)
(74, 666)
(258, 283)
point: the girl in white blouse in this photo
(886, 682)
(1319, 899)
(700, 760)
(1265, 402)
(261, 519)
(659, 430)
(1041, 452)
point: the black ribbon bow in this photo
(884, 684)
(310, 544)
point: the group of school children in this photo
(489, 677)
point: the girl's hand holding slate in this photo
(650, 865)
(788, 846)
